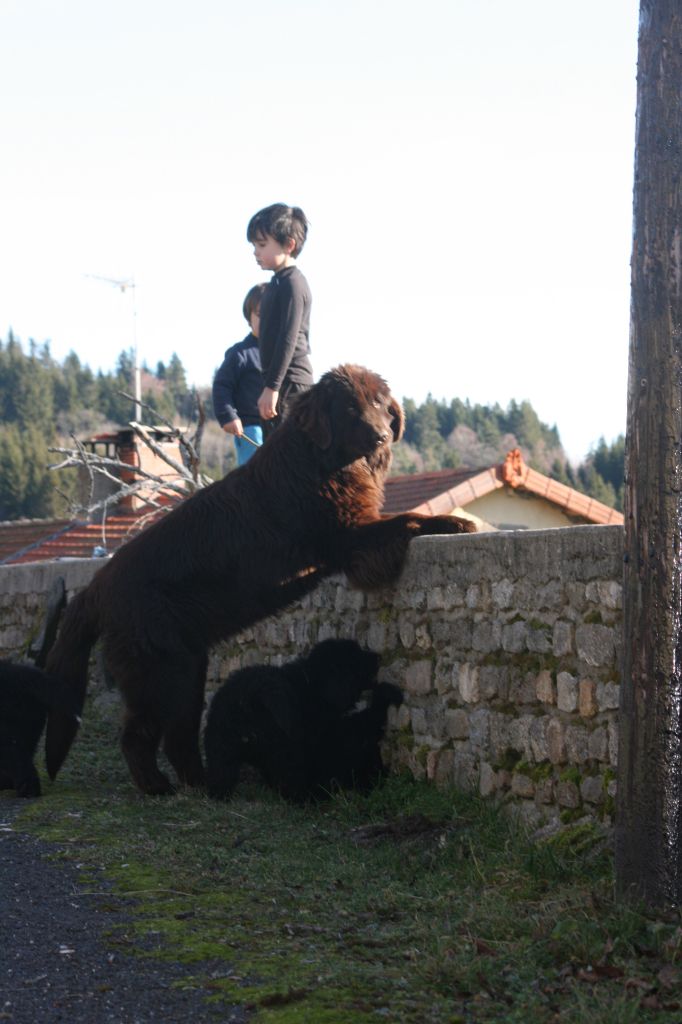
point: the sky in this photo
(466, 167)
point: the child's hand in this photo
(267, 404)
(234, 427)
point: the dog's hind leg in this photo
(140, 739)
(181, 730)
(26, 779)
(222, 768)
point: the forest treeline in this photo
(44, 402)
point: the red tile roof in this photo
(34, 540)
(435, 493)
(406, 492)
(441, 492)
(25, 534)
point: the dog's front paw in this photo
(447, 524)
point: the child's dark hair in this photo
(281, 223)
(252, 301)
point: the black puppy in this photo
(296, 724)
(26, 695)
(348, 754)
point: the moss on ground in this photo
(412, 904)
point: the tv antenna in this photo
(127, 284)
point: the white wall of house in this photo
(508, 508)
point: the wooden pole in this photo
(649, 804)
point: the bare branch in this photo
(147, 487)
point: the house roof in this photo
(404, 493)
(444, 491)
(435, 493)
(42, 540)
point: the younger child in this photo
(238, 383)
(278, 234)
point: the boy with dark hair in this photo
(238, 383)
(278, 234)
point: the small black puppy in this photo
(26, 694)
(348, 754)
(296, 724)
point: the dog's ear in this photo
(397, 418)
(312, 415)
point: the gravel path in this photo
(55, 964)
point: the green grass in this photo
(409, 905)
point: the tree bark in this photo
(649, 802)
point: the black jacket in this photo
(238, 383)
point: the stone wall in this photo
(507, 646)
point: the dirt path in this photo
(55, 963)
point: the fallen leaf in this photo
(638, 983)
(669, 976)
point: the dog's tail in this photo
(68, 662)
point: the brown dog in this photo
(306, 505)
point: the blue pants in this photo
(244, 449)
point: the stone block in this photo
(422, 637)
(465, 770)
(525, 595)
(467, 681)
(587, 698)
(519, 735)
(444, 771)
(556, 741)
(403, 718)
(514, 637)
(577, 750)
(537, 735)
(539, 638)
(479, 728)
(567, 692)
(457, 723)
(376, 636)
(544, 791)
(592, 790)
(499, 738)
(608, 696)
(595, 644)
(522, 689)
(562, 639)
(487, 782)
(545, 688)
(567, 794)
(406, 632)
(502, 592)
(575, 593)
(491, 682)
(349, 600)
(418, 720)
(522, 785)
(551, 595)
(435, 720)
(613, 743)
(598, 745)
(418, 677)
(435, 599)
(605, 593)
(486, 636)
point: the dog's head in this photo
(340, 671)
(350, 413)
